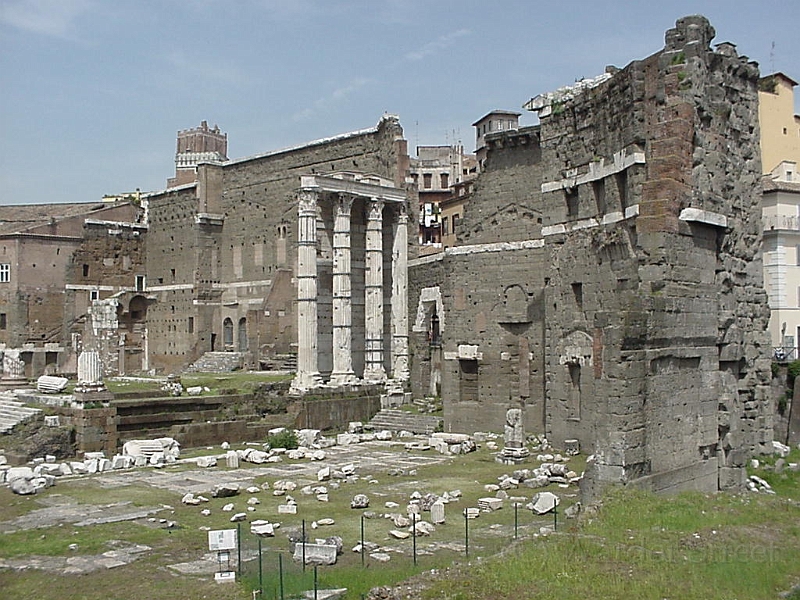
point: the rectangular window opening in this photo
(573, 201)
(5, 273)
(599, 189)
(468, 377)
(577, 291)
(622, 188)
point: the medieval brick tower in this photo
(196, 145)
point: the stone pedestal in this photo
(514, 452)
(513, 456)
(13, 371)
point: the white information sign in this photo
(222, 539)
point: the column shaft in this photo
(400, 298)
(307, 366)
(342, 294)
(373, 294)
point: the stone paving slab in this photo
(123, 554)
(79, 514)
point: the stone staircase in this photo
(217, 362)
(401, 420)
(279, 362)
(13, 412)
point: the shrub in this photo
(792, 372)
(285, 439)
(783, 402)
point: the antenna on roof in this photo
(772, 57)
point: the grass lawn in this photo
(636, 545)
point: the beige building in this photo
(780, 126)
(780, 155)
(438, 172)
(452, 211)
(497, 120)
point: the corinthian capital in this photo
(307, 200)
(375, 209)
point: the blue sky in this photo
(92, 92)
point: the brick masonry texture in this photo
(223, 250)
(624, 320)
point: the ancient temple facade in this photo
(352, 263)
(234, 259)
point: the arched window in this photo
(242, 335)
(227, 334)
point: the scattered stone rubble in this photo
(30, 480)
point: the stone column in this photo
(90, 370)
(400, 297)
(90, 387)
(342, 373)
(307, 375)
(373, 294)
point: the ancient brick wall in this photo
(228, 263)
(172, 269)
(627, 231)
(508, 189)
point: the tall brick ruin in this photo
(608, 279)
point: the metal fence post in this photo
(516, 519)
(239, 548)
(280, 573)
(414, 536)
(260, 571)
(303, 541)
(363, 550)
(466, 532)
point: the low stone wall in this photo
(200, 420)
(335, 409)
(95, 428)
(194, 435)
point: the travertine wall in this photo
(608, 278)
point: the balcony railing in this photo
(781, 222)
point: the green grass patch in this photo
(636, 545)
(639, 545)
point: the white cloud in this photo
(55, 18)
(440, 43)
(335, 96)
